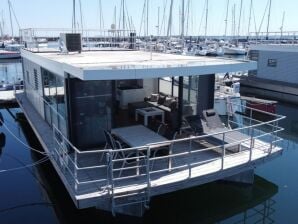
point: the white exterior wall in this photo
(150, 86)
(286, 69)
(30, 91)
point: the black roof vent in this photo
(70, 42)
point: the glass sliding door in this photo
(91, 112)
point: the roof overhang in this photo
(134, 65)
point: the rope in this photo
(26, 166)
(29, 170)
(26, 205)
(19, 140)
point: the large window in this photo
(91, 112)
(190, 95)
(53, 93)
(272, 63)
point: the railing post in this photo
(170, 156)
(55, 142)
(148, 174)
(250, 117)
(252, 143)
(110, 173)
(75, 169)
(223, 151)
(276, 133)
(272, 136)
(189, 154)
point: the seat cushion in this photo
(154, 97)
(168, 101)
(161, 100)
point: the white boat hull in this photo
(234, 51)
(223, 105)
(9, 55)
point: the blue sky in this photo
(58, 13)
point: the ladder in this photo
(137, 195)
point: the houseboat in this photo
(275, 77)
(117, 134)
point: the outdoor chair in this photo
(210, 123)
(127, 157)
(163, 150)
(213, 124)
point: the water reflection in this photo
(2, 142)
(210, 203)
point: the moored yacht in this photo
(234, 50)
(4, 54)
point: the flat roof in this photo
(113, 65)
(275, 47)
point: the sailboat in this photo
(235, 50)
(11, 49)
(231, 49)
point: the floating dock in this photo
(7, 98)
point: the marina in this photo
(139, 123)
(227, 212)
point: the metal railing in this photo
(278, 37)
(134, 169)
(184, 154)
(44, 39)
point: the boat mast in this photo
(2, 26)
(249, 19)
(157, 26)
(163, 25)
(206, 21)
(234, 21)
(170, 20)
(81, 14)
(282, 25)
(182, 21)
(187, 18)
(268, 23)
(128, 18)
(101, 18)
(11, 25)
(143, 20)
(123, 14)
(74, 16)
(226, 20)
(147, 18)
(240, 15)
(115, 16)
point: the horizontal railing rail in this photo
(108, 169)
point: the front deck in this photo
(101, 178)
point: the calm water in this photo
(36, 195)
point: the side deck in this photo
(100, 178)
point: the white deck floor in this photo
(89, 195)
